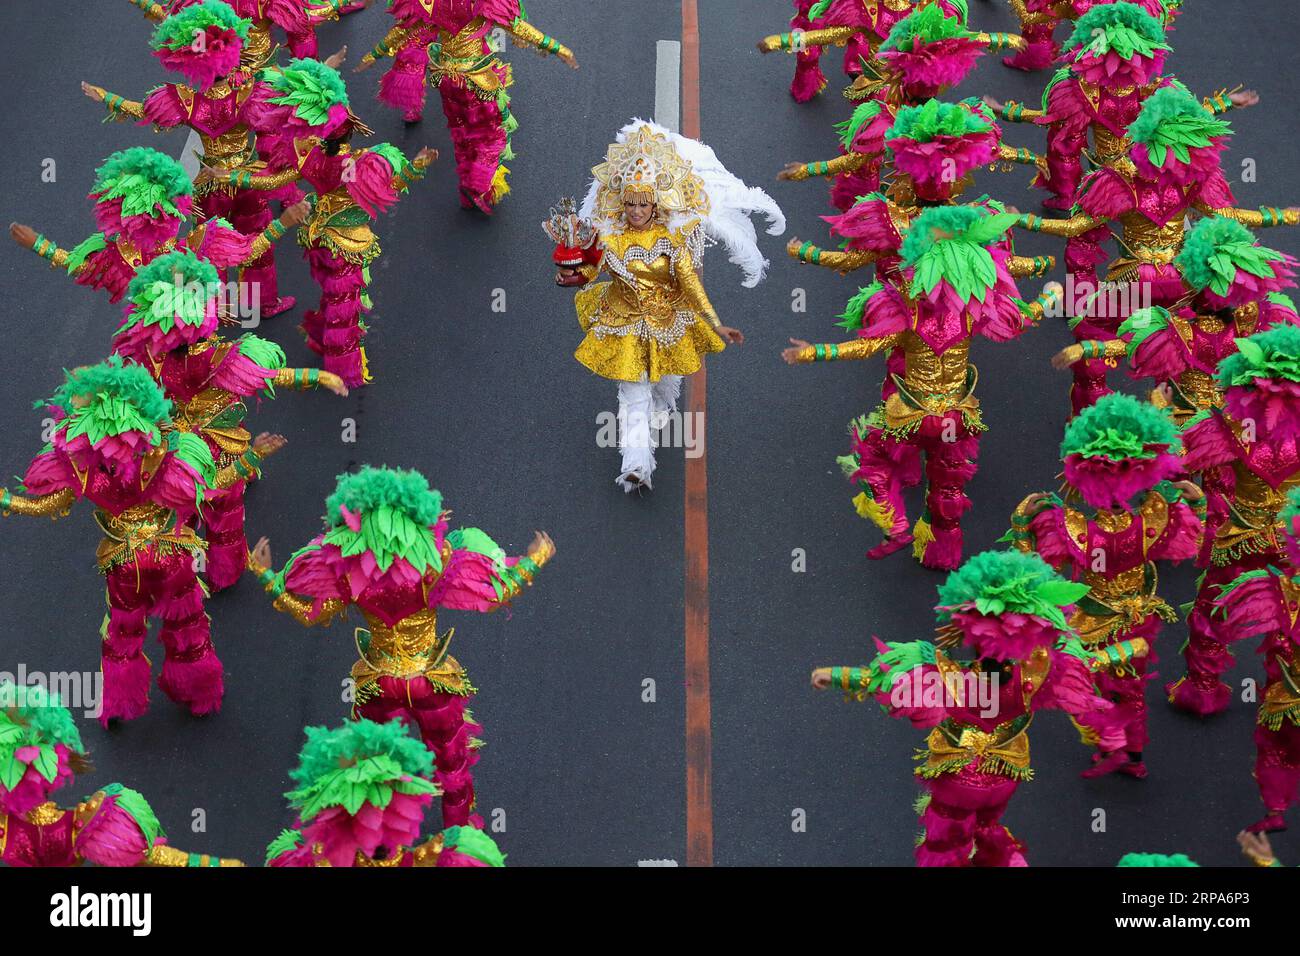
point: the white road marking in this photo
(668, 87)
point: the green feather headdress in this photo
(109, 399)
(1274, 353)
(1215, 248)
(1155, 859)
(179, 30)
(929, 24)
(143, 179)
(473, 842)
(1120, 427)
(361, 762)
(1171, 123)
(1001, 582)
(936, 118)
(863, 114)
(30, 716)
(950, 243)
(310, 87)
(396, 509)
(174, 287)
(1121, 28)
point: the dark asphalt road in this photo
(494, 410)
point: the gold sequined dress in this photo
(652, 318)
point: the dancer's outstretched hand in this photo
(296, 215)
(1243, 99)
(791, 355)
(25, 236)
(730, 335)
(1190, 489)
(267, 444)
(994, 104)
(1067, 357)
(94, 92)
(792, 247)
(337, 59)
(569, 59)
(821, 678)
(261, 552)
(427, 155)
(1255, 846)
(792, 171)
(366, 63)
(332, 383)
(542, 544)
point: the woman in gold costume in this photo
(654, 205)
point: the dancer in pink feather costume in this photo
(1040, 18)
(294, 20)
(170, 328)
(41, 752)
(387, 551)
(115, 445)
(301, 113)
(1171, 170)
(1265, 602)
(447, 44)
(1010, 610)
(929, 303)
(860, 26)
(1114, 61)
(1252, 448)
(926, 53)
(1120, 456)
(395, 772)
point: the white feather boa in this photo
(731, 204)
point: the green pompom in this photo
(928, 24)
(1215, 248)
(1002, 582)
(109, 399)
(145, 180)
(180, 29)
(30, 716)
(310, 87)
(1172, 123)
(1121, 28)
(1120, 427)
(176, 287)
(1274, 354)
(936, 118)
(359, 763)
(1155, 859)
(396, 509)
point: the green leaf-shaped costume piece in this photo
(950, 244)
(30, 716)
(396, 509)
(310, 87)
(176, 287)
(474, 843)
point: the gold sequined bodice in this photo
(1151, 243)
(931, 375)
(1110, 148)
(645, 268)
(408, 647)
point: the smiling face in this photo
(639, 210)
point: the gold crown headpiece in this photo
(647, 163)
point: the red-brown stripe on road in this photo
(699, 743)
